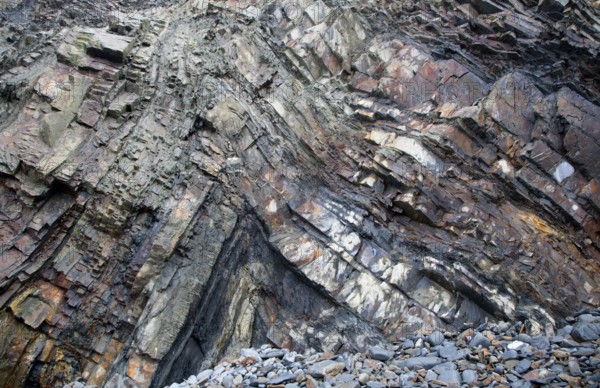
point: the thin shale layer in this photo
(183, 180)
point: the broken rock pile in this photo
(500, 355)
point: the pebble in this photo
(327, 367)
(512, 378)
(435, 338)
(540, 342)
(450, 377)
(348, 384)
(510, 364)
(491, 355)
(584, 352)
(574, 368)
(523, 366)
(516, 345)
(444, 367)
(586, 331)
(541, 376)
(204, 376)
(380, 354)
(363, 378)
(228, 381)
(479, 340)
(273, 353)
(419, 362)
(569, 343)
(565, 331)
(237, 380)
(431, 375)
(510, 354)
(282, 378)
(452, 353)
(469, 376)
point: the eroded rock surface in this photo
(181, 181)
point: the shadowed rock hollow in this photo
(182, 180)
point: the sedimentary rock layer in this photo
(182, 180)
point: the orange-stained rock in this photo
(140, 369)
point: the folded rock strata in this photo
(187, 179)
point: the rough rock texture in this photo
(180, 181)
(508, 359)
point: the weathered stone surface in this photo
(326, 368)
(435, 338)
(419, 363)
(378, 353)
(180, 182)
(583, 130)
(485, 368)
(451, 378)
(511, 103)
(542, 376)
(586, 331)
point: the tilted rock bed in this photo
(500, 355)
(199, 177)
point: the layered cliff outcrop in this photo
(192, 178)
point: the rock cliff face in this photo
(182, 180)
